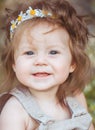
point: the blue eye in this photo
(29, 53)
(54, 52)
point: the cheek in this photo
(63, 63)
(20, 67)
(62, 69)
(21, 71)
(62, 74)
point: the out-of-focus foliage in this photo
(90, 96)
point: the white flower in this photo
(13, 25)
(29, 14)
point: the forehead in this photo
(40, 32)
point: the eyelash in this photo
(29, 53)
(52, 52)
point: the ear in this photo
(72, 68)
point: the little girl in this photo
(45, 54)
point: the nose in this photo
(40, 60)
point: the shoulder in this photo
(82, 100)
(80, 97)
(13, 115)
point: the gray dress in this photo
(80, 119)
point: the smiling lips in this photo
(41, 74)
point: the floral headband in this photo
(29, 14)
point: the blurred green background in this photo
(84, 7)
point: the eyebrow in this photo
(57, 46)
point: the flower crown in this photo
(29, 14)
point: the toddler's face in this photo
(43, 58)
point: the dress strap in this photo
(29, 104)
(75, 107)
(77, 123)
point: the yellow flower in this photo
(19, 18)
(32, 12)
(13, 26)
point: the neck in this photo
(45, 95)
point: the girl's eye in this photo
(54, 52)
(29, 53)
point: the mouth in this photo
(41, 74)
